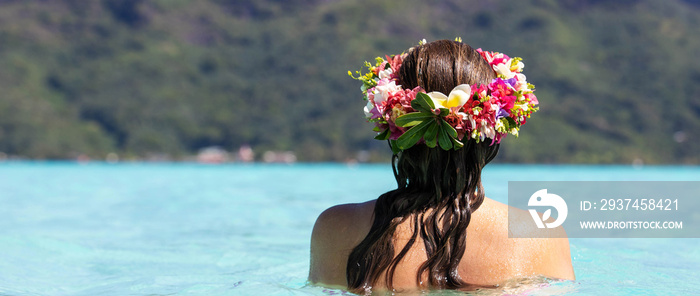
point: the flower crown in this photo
(406, 116)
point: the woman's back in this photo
(490, 257)
(436, 229)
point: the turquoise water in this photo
(187, 229)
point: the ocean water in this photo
(189, 229)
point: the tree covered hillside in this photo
(617, 81)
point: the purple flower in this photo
(375, 113)
(502, 113)
(511, 82)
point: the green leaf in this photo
(412, 119)
(511, 123)
(423, 103)
(449, 129)
(384, 135)
(412, 135)
(457, 144)
(430, 135)
(394, 149)
(444, 139)
(444, 112)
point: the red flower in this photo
(456, 122)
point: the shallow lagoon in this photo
(189, 229)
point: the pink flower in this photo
(376, 114)
(480, 92)
(532, 98)
(384, 89)
(398, 103)
(403, 98)
(506, 103)
(487, 55)
(494, 58)
(499, 88)
(396, 61)
(500, 58)
(498, 138)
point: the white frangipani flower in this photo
(504, 70)
(457, 98)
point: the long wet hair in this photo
(437, 189)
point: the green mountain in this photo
(617, 81)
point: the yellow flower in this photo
(457, 98)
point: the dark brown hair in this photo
(437, 189)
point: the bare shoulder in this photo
(336, 232)
(547, 251)
(340, 215)
(497, 256)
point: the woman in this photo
(437, 229)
